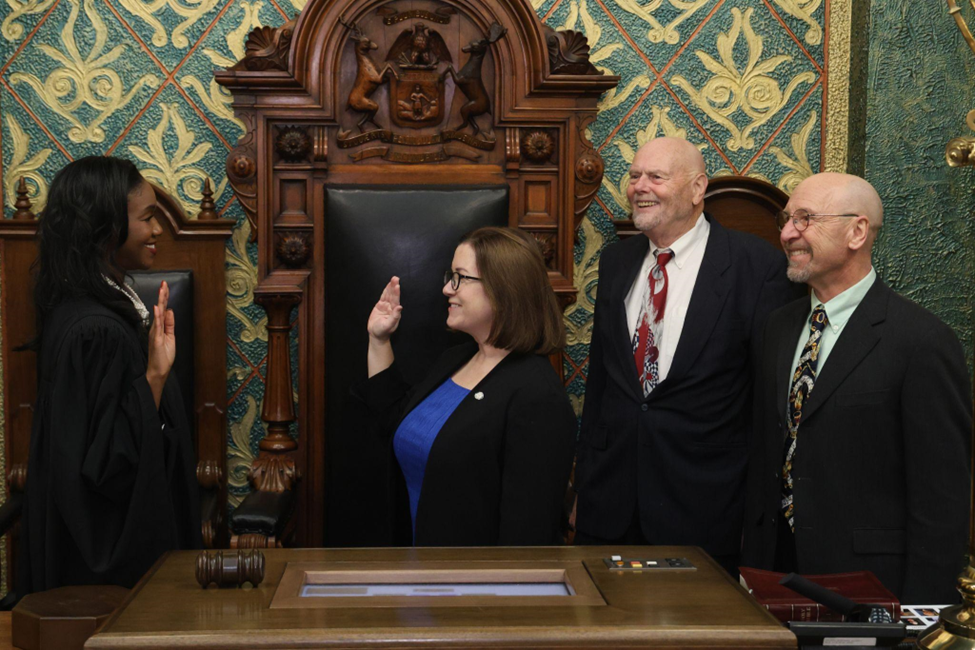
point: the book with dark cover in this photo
(786, 605)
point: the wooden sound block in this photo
(63, 618)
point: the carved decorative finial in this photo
(22, 204)
(230, 568)
(208, 209)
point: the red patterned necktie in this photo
(645, 352)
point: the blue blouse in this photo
(416, 433)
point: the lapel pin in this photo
(478, 395)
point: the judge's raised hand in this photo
(162, 344)
(385, 316)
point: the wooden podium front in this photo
(315, 598)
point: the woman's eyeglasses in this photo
(454, 278)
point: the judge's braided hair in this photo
(85, 221)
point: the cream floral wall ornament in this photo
(660, 33)
(215, 97)
(660, 125)
(241, 280)
(20, 166)
(798, 163)
(84, 80)
(584, 276)
(239, 454)
(12, 30)
(177, 174)
(190, 10)
(751, 90)
(804, 10)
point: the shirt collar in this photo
(841, 307)
(687, 242)
(140, 307)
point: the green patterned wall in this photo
(742, 79)
(919, 92)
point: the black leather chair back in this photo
(146, 286)
(373, 233)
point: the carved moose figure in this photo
(367, 79)
(469, 79)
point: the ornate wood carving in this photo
(17, 477)
(230, 568)
(208, 209)
(469, 81)
(242, 169)
(209, 474)
(537, 146)
(320, 145)
(368, 78)
(293, 144)
(212, 529)
(293, 249)
(588, 172)
(279, 408)
(507, 86)
(568, 53)
(22, 204)
(267, 49)
(273, 473)
(254, 540)
(546, 244)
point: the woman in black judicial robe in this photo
(110, 480)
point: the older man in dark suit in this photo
(865, 407)
(665, 426)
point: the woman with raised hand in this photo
(111, 476)
(484, 444)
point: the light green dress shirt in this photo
(838, 313)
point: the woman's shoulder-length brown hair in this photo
(527, 317)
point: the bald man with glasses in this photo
(864, 413)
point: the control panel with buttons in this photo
(620, 563)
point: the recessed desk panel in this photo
(563, 597)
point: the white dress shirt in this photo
(681, 275)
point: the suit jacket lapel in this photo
(620, 337)
(787, 341)
(857, 339)
(707, 300)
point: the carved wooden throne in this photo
(399, 94)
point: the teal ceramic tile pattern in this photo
(164, 52)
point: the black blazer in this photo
(679, 455)
(498, 469)
(881, 474)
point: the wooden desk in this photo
(651, 608)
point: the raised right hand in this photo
(385, 316)
(162, 344)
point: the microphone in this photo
(852, 611)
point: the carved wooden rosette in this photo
(429, 92)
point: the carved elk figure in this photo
(469, 79)
(367, 79)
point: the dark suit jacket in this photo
(679, 455)
(498, 469)
(881, 473)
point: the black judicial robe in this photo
(111, 480)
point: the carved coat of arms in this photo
(415, 68)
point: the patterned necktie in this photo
(802, 384)
(650, 328)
